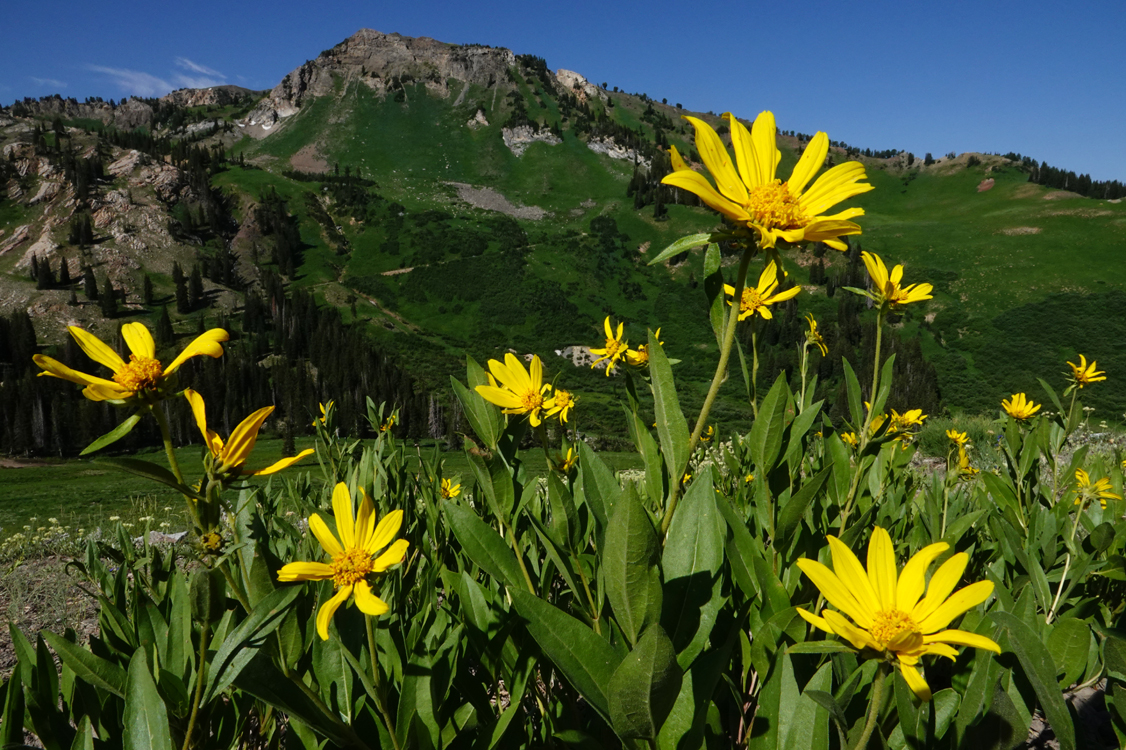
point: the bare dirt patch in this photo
(308, 159)
(1015, 231)
(986, 185)
(491, 200)
(1059, 195)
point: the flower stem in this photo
(204, 634)
(717, 380)
(874, 707)
(754, 367)
(1066, 567)
(380, 696)
(166, 436)
(865, 430)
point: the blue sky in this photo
(1043, 79)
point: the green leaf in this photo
(855, 396)
(740, 549)
(629, 564)
(600, 487)
(581, 655)
(692, 561)
(1040, 670)
(766, 432)
(146, 719)
(116, 433)
(484, 545)
(820, 647)
(483, 417)
(242, 643)
(650, 455)
(1101, 538)
(11, 721)
(684, 244)
(151, 471)
(713, 289)
(563, 515)
(1068, 644)
(885, 386)
(102, 674)
(645, 686)
(809, 729)
(672, 428)
(1051, 395)
(791, 514)
(262, 679)
(416, 705)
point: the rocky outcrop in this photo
(578, 85)
(477, 121)
(216, 95)
(614, 150)
(520, 137)
(129, 114)
(383, 62)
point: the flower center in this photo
(563, 399)
(889, 623)
(751, 300)
(774, 207)
(350, 567)
(613, 347)
(141, 373)
(531, 400)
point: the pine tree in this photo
(164, 331)
(182, 304)
(108, 299)
(146, 290)
(44, 276)
(195, 288)
(89, 284)
(64, 273)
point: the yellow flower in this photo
(449, 489)
(566, 463)
(520, 391)
(326, 409)
(143, 378)
(1020, 407)
(707, 434)
(849, 438)
(387, 424)
(352, 563)
(639, 357)
(887, 289)
(959, 439)
(813, 336)
(1088, 492)
(965, 471)
(890, 617)
(755, 198)
(685, 478)
(749, 478)
(230, 456)
(1083, 374)
(759, 298)
(560, 403)
(615, 349)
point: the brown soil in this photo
(308, 159)
(1014, 231)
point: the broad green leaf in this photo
(684, 726)
(1068, 644)
(855, 396)
(146, 719)
(262, 679)
(767, 431)
(820, 647)
(740, 549)
(582, 656)
(600, 487)
(692, 560)
(11, 721)
(116, 433)
(713, 289)
(484, 418)
(563, 516)
(672, 428)
(153, 472)
(683, 245)
(791, 514)
(630, 559)
(881, 398)
(416, 705)
(103, 675)
(645, 686)
(333, 675)
(945, 703)
(1040, 671)
(484, 545)
(650, 455)
(810, 727)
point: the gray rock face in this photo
(129, 114)
(383, 62)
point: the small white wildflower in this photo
(115, 518)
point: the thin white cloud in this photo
(135, 81)
(190, 82)
(186, 64)
(48, 82)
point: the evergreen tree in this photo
(64, 273)
(33, 272)
(89, 284)
(164, 331)
(146, 290)
(183, 306)
(45, 277)
(195, 288)
(108, 299)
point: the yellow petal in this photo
(139, 340)
(537, 371)
(912, 580)
(696, 183)
(881, 568)
(520, 377)
(394, 555)
(811, 160)
(744, 149)
(500, 396)
(942, 583)
(328, 609)
(845, 629)
(208, 344)
(277, 466)
(939, 649)
(835, 591)
(214, 442)
(963, 638)
(876, 269)
(837, 184)
(763, 135)
(852, 575)
(95, 349)
(815, 621)
(386, 530)
(783, 295)
(962, 600)
(304, 571)
(365, 522)
(345, 521)
(369, 603)
(678, 164)
(101, 392)
(57, 369)
(916, 682)
(244, 436)
(324, 536)
(717, 161)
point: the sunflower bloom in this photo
(814, 337)
(516, 390)
(326, 409)
(753, 197)
(141, 379)
(960, 439)
(352, 555)
(229, 457)
(448, 489)
(639, 357)
(560, 404)
(1083, 374)
(887, 288)
(1019, 406)
(615, 348)
(1089, 491)
(567, 462)
(850, 439)
(890, 617)
(965, 470)
(758, 299)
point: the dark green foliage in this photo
(146, 289)
(108, 299)
(89, 284)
